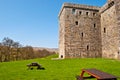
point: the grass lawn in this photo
(65, 69)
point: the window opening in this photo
(104, 30)
(82, 34)
(94, 14)
(73, 11)
(94, 25)
(118, 52)
(61, 56)
(87, 13)
(87, 47)
(111, 4)
(80, 13)
(76, 22)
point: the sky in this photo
(34, 22)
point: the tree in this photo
(16, 50)
(30, 52)
(27, 52)
(11, 50)
(0, 52)
(7, 42)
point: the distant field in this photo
(65, 69)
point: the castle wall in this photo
(117, 6)
(62, 34)
(109, 31)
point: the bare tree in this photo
(11, 50)
(8, 43)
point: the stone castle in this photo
(89, 31)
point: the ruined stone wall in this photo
(109, 31)
(82, 31)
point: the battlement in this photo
(104, 8)
(109, 4)
(79, 6)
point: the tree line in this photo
(11, 50)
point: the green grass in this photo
(65, 69)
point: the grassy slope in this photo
(55, 69)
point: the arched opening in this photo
(61, 56)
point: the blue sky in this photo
(34, 22)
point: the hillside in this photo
(48, 49)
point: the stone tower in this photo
(79, 31)
(89, 31)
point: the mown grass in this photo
(65, 69)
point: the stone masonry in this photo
(89, 31)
